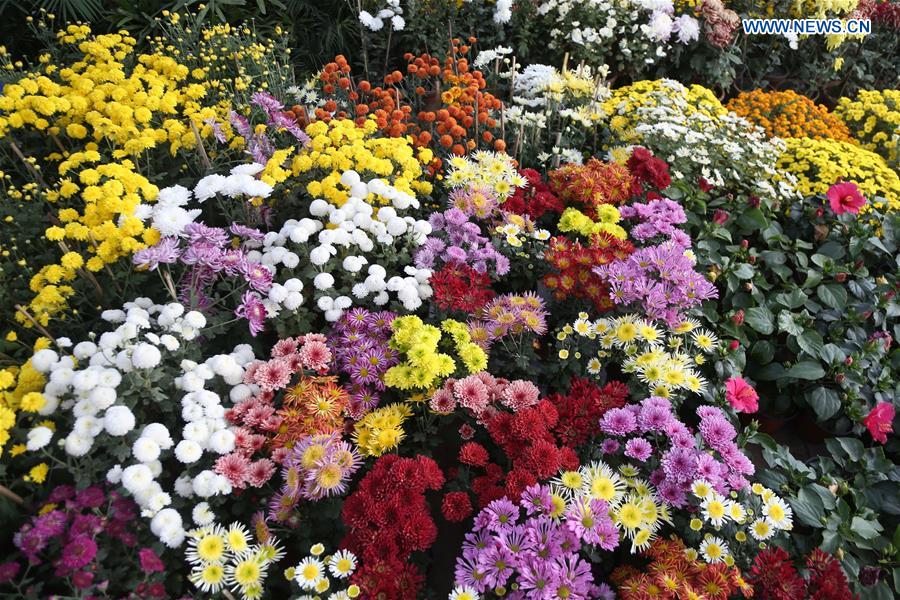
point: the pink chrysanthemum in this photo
(315, 355)
(235, 467)
(472, 394)
(273, 375)
(520, 394)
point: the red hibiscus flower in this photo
(741, 395)
(845, 197)
(879, 422)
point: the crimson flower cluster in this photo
(648, 171)
(387, 519)
(457, 286)
(580, 410)
(533, 200)
(528, 438)
(774, 577)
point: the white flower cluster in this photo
(168, 214)
(625, 32)
(392, 12)
(502, 11)
(728, 151)
(346, 256)
(94, 397)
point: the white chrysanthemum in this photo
(43, 360)
(188, 451)
(136, 478)
(38, 438)
(118, 420)
(145, 356)
(145, 449)
(202, 514)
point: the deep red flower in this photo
(648, 170)
(457, 286)
(880, 421)
(774, 577)
(456, 506)
(473, 454)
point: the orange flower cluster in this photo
(592, 184)
(672, 575)
(788, 114)
(441, 104)
(315, 405)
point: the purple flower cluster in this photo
(68, 535)
(659, 277)
(673, 454)
(459, 240)
(209, 255)
(540, 554)
(336, 461)
(657, 217)
(361, 351)
(259, 146)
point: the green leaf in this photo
(825, 402)
(832, 354)
(752, 220)
(806, 369)
(744, 271)
(808, 507)
(792, 300)
(811, 342)
(762, 352)
(787, 324)
(833, 295)
(761, 319)
(868, 530)
(813, 278)
(852, 447)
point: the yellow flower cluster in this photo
(102, 110)
(135, 103)
(233, 58)
(424, 364)
(381, 430)
(96, 216)
(874, 120)
(573, 220)
(340, 145)
(20, 389)
(818, 164)
(472, 355)
(493, 170)
(644, 346)
(623, 103)
(821, 9)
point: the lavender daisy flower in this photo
(609, 446)
(253, 310)
(166, 251)
(618, 421)
(266, 101)
(679, 464)
(638, 449)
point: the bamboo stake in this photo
(8, 493)
(203, 155)
(34, 172)
(34, 322)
